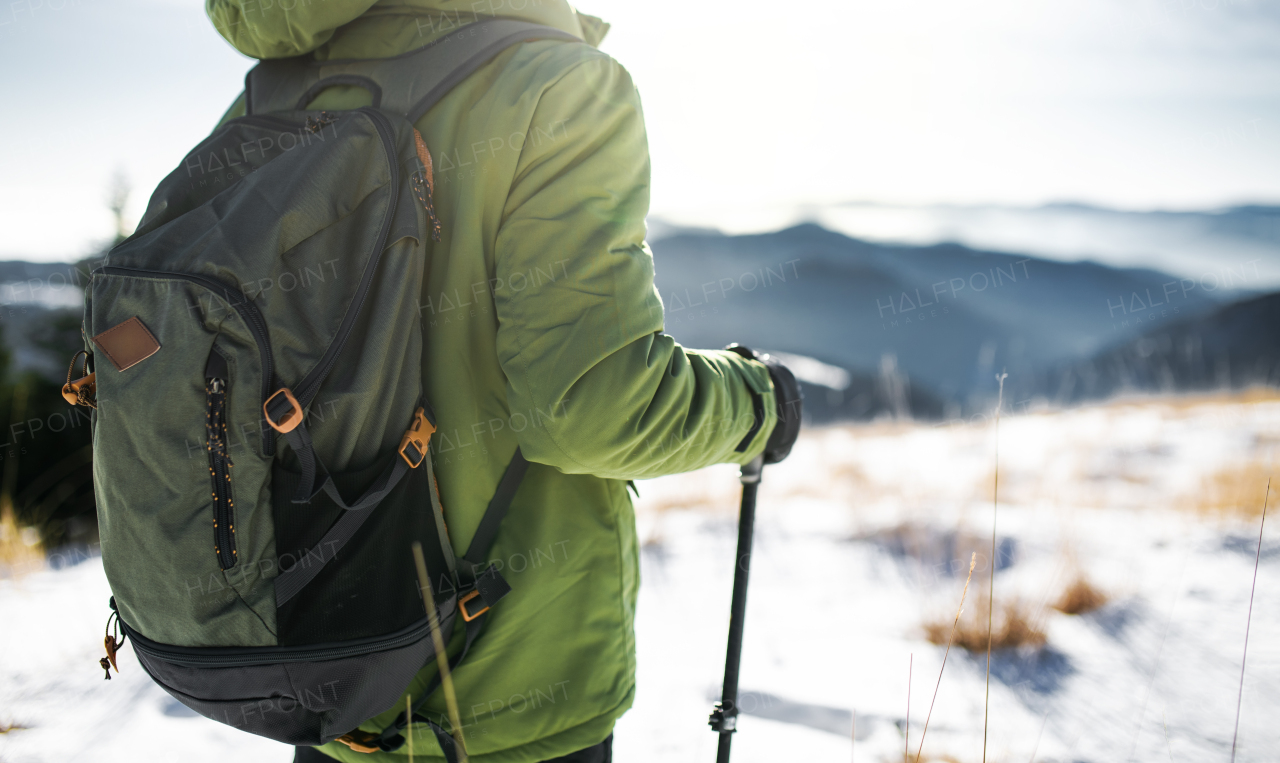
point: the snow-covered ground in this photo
(863, 535)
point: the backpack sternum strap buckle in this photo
(283, 411)
(490, 587)
(361, 741)
(413, 446)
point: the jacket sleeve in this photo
(580, 322)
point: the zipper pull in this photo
(424, 183)
(112, 646)
(317, 123)
(82, 391)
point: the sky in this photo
(753, 110)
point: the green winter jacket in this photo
(544, 331)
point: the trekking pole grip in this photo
(724, 718)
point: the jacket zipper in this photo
(248, 312)
(224, 529)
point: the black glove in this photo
(786, 391)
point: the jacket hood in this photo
(284, 28)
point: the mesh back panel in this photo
(370, 588)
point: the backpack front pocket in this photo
(188, 552)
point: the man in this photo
(543, 330)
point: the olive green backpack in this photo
(260, 435)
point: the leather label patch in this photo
(127, 344)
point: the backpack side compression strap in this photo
(408, 84)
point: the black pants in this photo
(601, 753)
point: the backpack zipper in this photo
(227, 657)
(248, 312)
(306, 389)
(224, 528)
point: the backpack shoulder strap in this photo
(408, 84)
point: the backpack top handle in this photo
(341, 79)
(406, 85)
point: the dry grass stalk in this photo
(442, 659)
(1249, 621)
(972, 561)
(906, 740)
(5, 728)
(1080, 597)
(991, 591)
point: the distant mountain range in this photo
(1187, 243)
(935, 323)
(1235, 346)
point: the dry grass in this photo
(1255, 394)
(1237, 490)
(1014, 625)
(19, 551)
(5, 728)
(1188, 402)
(1080, 597)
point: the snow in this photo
(834, 616)
(836, 605)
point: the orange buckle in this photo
(360, 741)
(462, 606)
(291, 419)
(417, 435)
(81, 391)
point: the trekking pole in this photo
(724, 719)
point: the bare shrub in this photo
(1014, 625)
(1080, 597)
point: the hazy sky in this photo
(1134, 103)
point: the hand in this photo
(790, 402)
